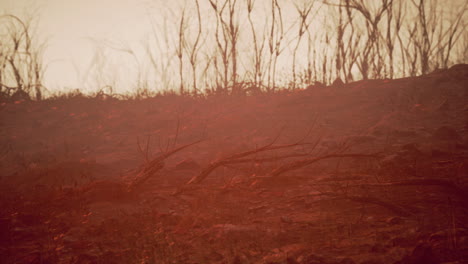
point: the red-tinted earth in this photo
(368, 172)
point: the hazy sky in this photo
(72, 27)
(75, 28)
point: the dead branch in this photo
(155, 165)
(305, 162)
(237, 158)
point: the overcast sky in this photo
(72, 27)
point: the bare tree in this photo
(447, 38)
(276, 37)
(222, 43)
(395, 20)
(371, 48)
(303, 12)
(258, 47)
(194, 48)
(180, 50)
(227, 39)
(233, 33)
(363, 39)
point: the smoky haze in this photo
(155, 45)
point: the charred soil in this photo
(367, 172)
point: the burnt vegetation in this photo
(359, 156)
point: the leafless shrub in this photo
(241, 158)
(227, 49)
(21, 65)
(365, 40)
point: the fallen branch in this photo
(155, 165)
(305, 162)
(239, 158)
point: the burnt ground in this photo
(370, 172)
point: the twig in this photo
(236, 158)
(155, 165)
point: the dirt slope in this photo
(370, 172)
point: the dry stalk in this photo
(180, 49)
